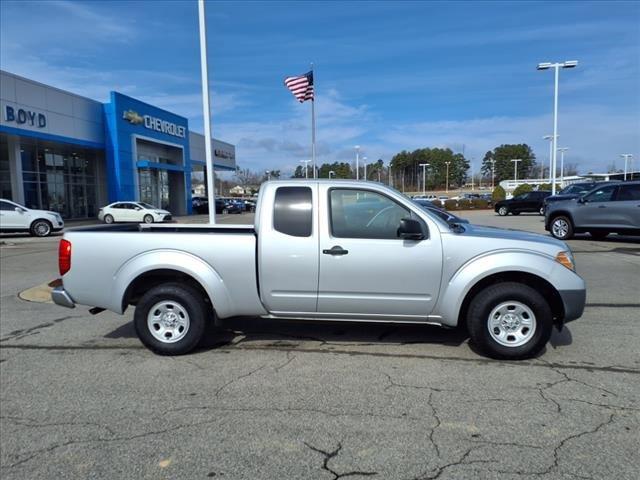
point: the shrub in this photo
(498, 194)
(464, 204)
(523, 188)
(480, 203)
(547, 187)
(450, 205)
(436, 203)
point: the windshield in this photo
(576, 189)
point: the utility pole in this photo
(364, 159)
(306, 165)
(493, 173)
(562, 150)
(424, 179)
(357, 162)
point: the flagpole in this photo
(313, 124)
(206, 111)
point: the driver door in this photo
(366, 271)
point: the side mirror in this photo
(410, 229)
(582, 200)
(19, 210)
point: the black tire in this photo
(148, 218)
(108, 219)
(503, 211)
(486, 300)
(561, 227)
(189, 299)
(40, 228)
(225, 211)
(599, 234)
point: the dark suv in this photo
(575, 190)
(525, 202)
(605, 209)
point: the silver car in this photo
(608, 208)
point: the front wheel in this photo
(108, 219)
(170, 319)
(148, 219)
(509, 321)
(503, 211)
(40, 228)
(561, 228)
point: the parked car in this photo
(133, 212)
(575, 190)
(39, 223)
(524, 202)
(326, 249)
(609, 208)
(443, 214)
(224, 205)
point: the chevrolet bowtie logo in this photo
(133, 117)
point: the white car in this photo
(138, 212)
(39, 223)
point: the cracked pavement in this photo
(81, 398)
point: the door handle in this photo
(336, 250)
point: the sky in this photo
(389, 76)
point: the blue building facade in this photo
(67, 153)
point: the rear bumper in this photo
(60, 297)
(573, 302)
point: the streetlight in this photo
(556, 67)
(424, 179)
(357, 147)
(331, 172)
(493, 173)
(447, 164)
(562, 150)
(364, 159)
(306, 165)
(515, 167)
(268, 173)
(550, 138)
(626, 157)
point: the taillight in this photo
(64, 256)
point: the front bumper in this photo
(60, 297)
(573, 302)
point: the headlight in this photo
(158, 213)
(566, 259)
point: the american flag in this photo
(301, 86)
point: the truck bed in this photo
(166, 228)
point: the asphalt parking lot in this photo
(81, 398)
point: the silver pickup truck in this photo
(326, 250)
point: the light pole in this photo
(268, 173)
(550, 138)
(556, 67)
(357, 162)
(626, 157)
(424, 179)
(515, 169)
(364, 159)
(493, 173)
(331, 172)
(562, 150)
(306, 166)
(447, 164)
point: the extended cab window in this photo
(364, 214)
(293, 211)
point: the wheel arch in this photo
(544, 287)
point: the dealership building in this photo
(71, 154)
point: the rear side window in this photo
(628, 193)
(292, 211)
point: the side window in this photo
(603, 194)
(6, 206)
(364, 214)
(293, 211)
(118, 206)
(628, 193)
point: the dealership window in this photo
(59, 178)
(5, 172)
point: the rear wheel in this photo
(599, 234)
(503, 211)
(170, 319)
(40, 228)
(510, 321)
(108, 219)
(541, 211)
(148, 218)
(561, 228)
